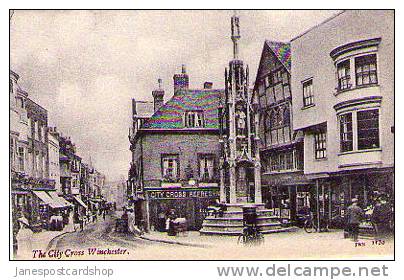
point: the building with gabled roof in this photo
(281, 149)
(175, 154)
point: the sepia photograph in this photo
(201, 135)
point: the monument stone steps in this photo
(231, 221)
(239, 221)
(232, 232)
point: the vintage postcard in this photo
(202, 135)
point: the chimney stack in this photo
(181, 81)
(208, 85)
(158, 96)
(133, 108)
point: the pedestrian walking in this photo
(104, 213)
(170, 222)
(354, 216)
(24, 239)
(81, 222)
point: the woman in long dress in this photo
(24, 239)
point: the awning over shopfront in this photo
(80, 202)
(285, 180)
(47, 199)
(59, 199)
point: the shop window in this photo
(206, 167)
(366, 70)
(194, 119)
(346, 134)
(320, 144)
(170, 168)
(308, 94)
(368, 129)
(344, 75)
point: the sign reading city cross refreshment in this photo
(186, 193)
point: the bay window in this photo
(358, 59)
(359, 130)
(278, 161)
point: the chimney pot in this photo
(158, 96)
(181, 81)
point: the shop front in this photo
(52, 209)
(288, 194)
(330, 196)
(188, 203)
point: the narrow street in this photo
(100, 234)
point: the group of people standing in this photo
(379, 213)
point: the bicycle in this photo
(250, 236)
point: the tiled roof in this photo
(282, 52)
(171, 114)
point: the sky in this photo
(85, 66)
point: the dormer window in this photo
(194, 119)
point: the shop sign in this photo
(183, 194)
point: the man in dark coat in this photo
(381, 217)
(354, 216)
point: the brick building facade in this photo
(175, 153)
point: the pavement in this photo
(102, 237)
(38, 241)
(278, 246)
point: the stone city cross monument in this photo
(240, 162)
(240, 174)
